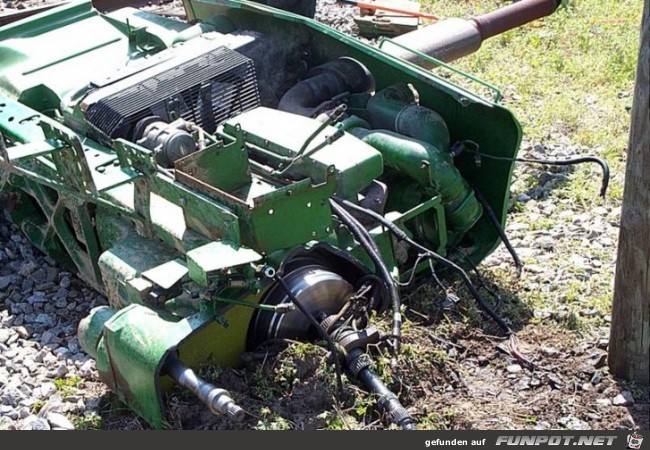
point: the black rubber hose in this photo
(573, 161)
(401, 236)
(549, 162)
(366, 241)
(482, 282)
(325, 82)
(359, 366)
(330, 343)
(497, 225)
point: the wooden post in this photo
(629, 342)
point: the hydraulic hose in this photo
(500, 231)
(573, 161)
(369, 245)
(547, 162)
(401, 236)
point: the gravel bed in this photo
(40, 307)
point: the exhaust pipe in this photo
(451, 39)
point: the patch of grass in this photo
(635, 389)
(443, 420)
(67, 386)
(272, 421)
(263, 387)
(88, 421)
(530, 420)
(569, 79)
(37, 406)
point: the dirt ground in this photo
(455, 372)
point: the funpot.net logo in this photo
(634, 441)
(558, 440)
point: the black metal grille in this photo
(206, 90)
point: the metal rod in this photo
(358, 363)
(405, 12)
(218, 400)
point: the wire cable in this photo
(364, 238)
(401, 236)
(461, 146)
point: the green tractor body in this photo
(186, 170)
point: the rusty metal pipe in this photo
(451, 39)
(513, 16)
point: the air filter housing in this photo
(205, 89)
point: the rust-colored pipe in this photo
(513, 16)
(450, 39)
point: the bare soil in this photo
(455, 372)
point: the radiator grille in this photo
(206, 90)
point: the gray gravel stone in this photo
(65, 282)
(4, 335)
(36, 424)
(12, 396)
(87, 369)
(522, 384)
(53, 405)
(573, 423)
(23, 412)
(603, 402)
(513, 368)
(59, 372)
(45, 319)
(23, 332)
(47, 337)
(27, 268)
(59, 421)
(625, 398)
(5, 281)
(47, 389)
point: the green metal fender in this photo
(132, 347)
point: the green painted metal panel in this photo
(211, 258)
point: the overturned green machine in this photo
(249, 175)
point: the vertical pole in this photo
(629, 346)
